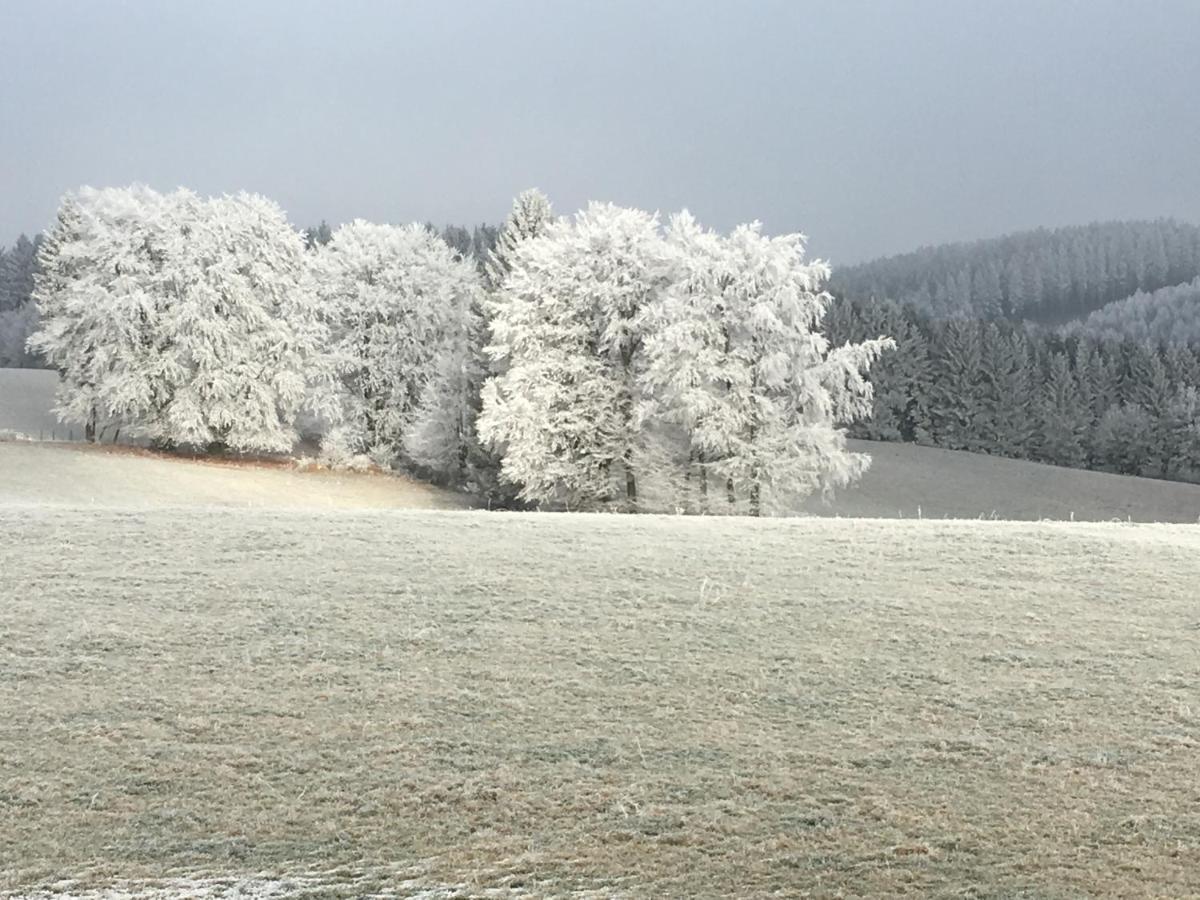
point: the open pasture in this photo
(552, 705)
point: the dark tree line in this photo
(1024, 392)
(17, 314)
(469, 243)
(1044, 276)
(475, 243)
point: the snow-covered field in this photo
(547, 705)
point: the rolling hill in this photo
(1048, 276)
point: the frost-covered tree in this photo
(442, 438)
(1124, 440)
(531, 213)
(491, 249)
(184, 320)
(1046, 276)
(738, 360)
(392, 295)
(957, 391)
(99, 294)
(317, 235)
(1062, 417)
(567, 333)
(17, 265)
(16, 325)
(240, 339)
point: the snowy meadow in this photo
(595, 706)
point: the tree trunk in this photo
(703, 484)
(630, 481)
(730, 494)
(89, 428)
(627, 416)
(755, 503)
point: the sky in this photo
(872, 127)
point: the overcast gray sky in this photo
(874, 127)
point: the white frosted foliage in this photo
(567, 334)
(737, 360)
(531, 213)
(394, 295)
(182, 319)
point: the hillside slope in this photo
(1170, 315)
(908, 481)
(26, 404)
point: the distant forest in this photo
(1045, 276)
(1123, 406)
(17, 314)
(1170, 315)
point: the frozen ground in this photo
(905, 481)
(58, 474)
(548, 705)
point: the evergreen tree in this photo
(1046, 276)
(1062, 421)
(956, 393)
(318, 236)
(458, 239)
(1182, 432)
(1123, 440)
(18, 314)
(531, 214)
(1006, 425)
(17, 266)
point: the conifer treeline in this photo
(17, 316)
(1027, 393)
(1045, 276)
(1170, 315)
